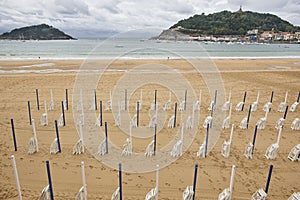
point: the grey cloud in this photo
(112, 10)
(284, 9)
(93, 18)
(71, 7)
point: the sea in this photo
(140, 48)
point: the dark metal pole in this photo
(29, 112)
(185, 97)
(57, 136)
(154, 146)
(137, 113)
(248, 117)
(13, 133)
(244, 100)
(67, 100)
(37, 98)
(206, 141)
(254, 139)
(271, 99)
(106, 138)
(195, 181)
(269, 179)
(175, 113)
(49, 180)
(100, 117)
(155, 93)
(298, 97)
(285, 113)
(63, 112)
(95, 99)
(120, 180)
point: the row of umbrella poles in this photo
(79, 145)
(177, 150)
(188, 194)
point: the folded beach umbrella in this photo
(190, 191)
(282, 105)
(294, 154)
(255, 103)
(227, 105)
(167, 105)
(117, 195)
(295, 126)
(227, 144)
(272, 150)
(79, 147)
(44, 117)
(226, 194)
(295, 104)
(51, 104)
(177, 148)
(226, 121)
(153, 193)
(127, 147)
(82, 193)
(33, 142)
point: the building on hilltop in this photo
(240, 10)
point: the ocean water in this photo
(136, 48)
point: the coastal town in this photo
(252, 36)
(239, 26)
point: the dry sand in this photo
(279, 75)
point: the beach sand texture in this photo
(278, 75)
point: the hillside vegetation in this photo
(233, 23)
(36, 32)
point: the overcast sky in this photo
(96, 18)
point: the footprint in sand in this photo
(168, 184)
(224, 179)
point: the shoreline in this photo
(122, 66)
(160, 58)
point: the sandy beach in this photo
(20, 79)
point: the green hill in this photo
(36, 32)
(232, 23)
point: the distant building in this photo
(278, 36)
(178, 28)
(286, 35)
(252, 32)
(240, 10)
(267, 35)
(297, 35)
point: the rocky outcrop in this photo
(172, 34)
